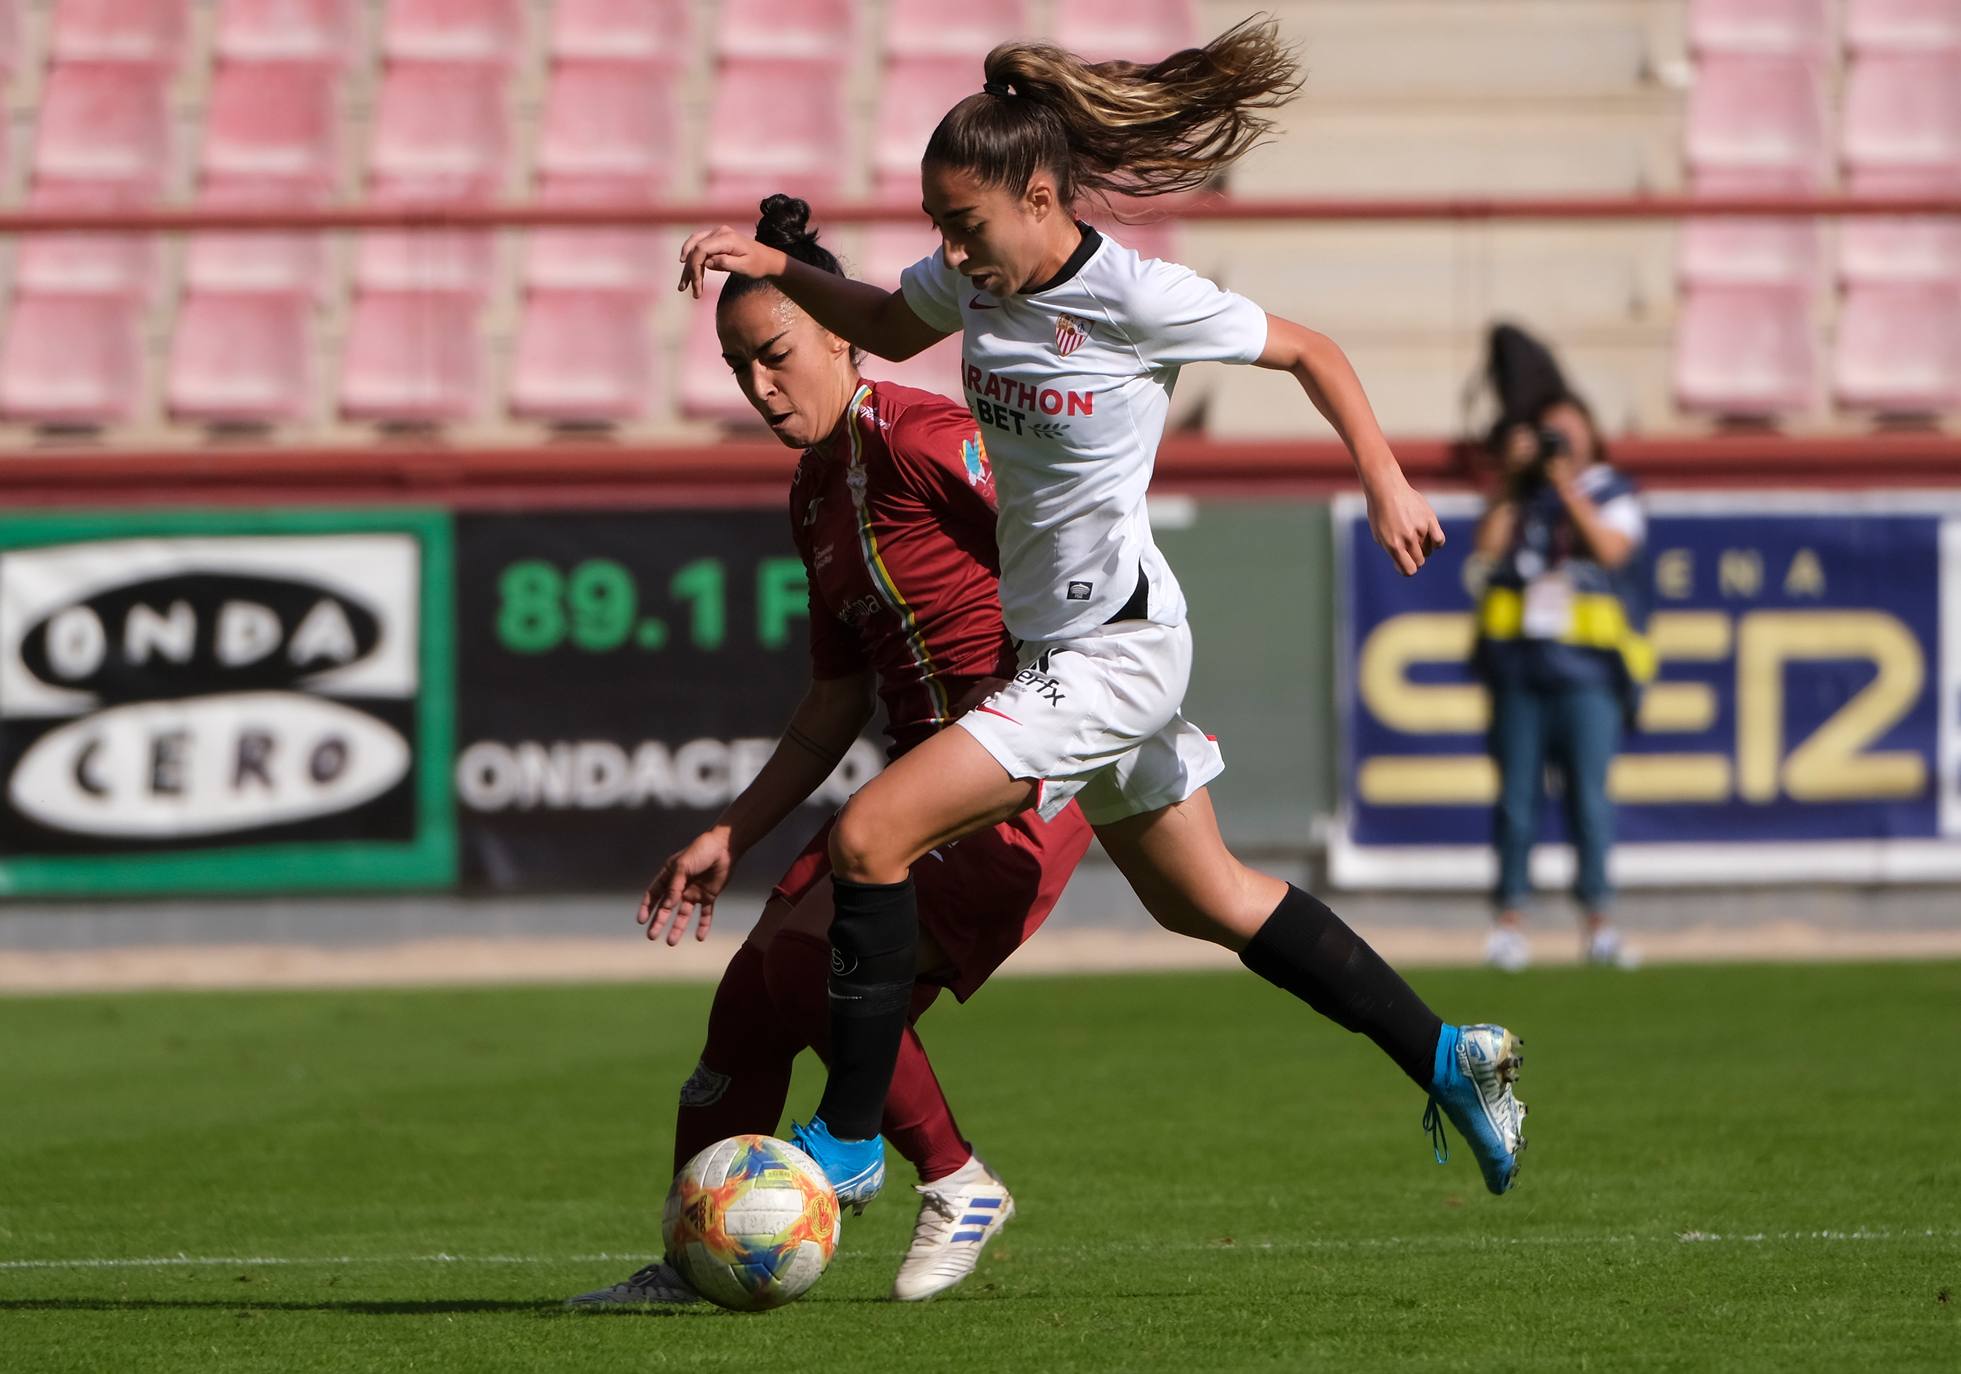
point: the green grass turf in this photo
(1209, 1178)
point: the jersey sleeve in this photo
(943, 456)
(932, 290)
(1173, 317)
(835, 649)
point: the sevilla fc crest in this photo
(1070, 334)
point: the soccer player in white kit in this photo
(1071, 346)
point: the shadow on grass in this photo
(351, 1307)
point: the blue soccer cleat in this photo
(855, 1169)
(1476, 1067)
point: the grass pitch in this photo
(1729, 1168)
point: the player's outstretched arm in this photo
(1401, 520)
(822, 728)
(876, 320)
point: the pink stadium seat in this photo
(456, 262)
(1741, 250)
(1760, 26)
(708, 390)
(610, 119)
(256, 261)
(777, 126)
(809, 30)
(1745, 352)
(1875, 249)
(583, 355)
(1902, 25)
(120, 265)
(1136, 30)
(1898, 349)
(71, 359)
(9, 35)
(474, 31)
(323, 31)
(241, 358)
(273, 121)
(890, 249)
(441, 125)
(1903, 110)
(658, 32)
(608, 259)
(913, 97)
(103, 125)
(1758, 115)
(953, 28)
(410, 358)
(120, 31)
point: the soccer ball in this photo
(751, 1222)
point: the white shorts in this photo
(1095, 717)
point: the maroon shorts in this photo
(979, 898)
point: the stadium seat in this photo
(123, 265)
(965, 29)
(9, 36)
(241, 358)
(272, 120)
(1898, 349)
(323, 31)
(150, 32)
(489, 32)
(1903, 110)
(257, 261)
(606, 259)
(440, 125)
(583, 356)
(456, 262)
(806, 30)
(1903, 25)
(610, 119)
(1742, 249)
(1883, 249)
(411, 358)
(777, 126)
(103, 125)
(656, 32)
(708, 390)
(1761, 26)
(1745, 352)
(913, 96)
(1758, 115)
(890, 249)
(1135, 30)
(71, 359)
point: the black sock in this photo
(1307, 950)
(874, 956)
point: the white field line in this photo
(1862, 1233)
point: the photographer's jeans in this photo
(1578, 729)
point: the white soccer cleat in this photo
(1506, 948)
(958, 1215)
(658, 1285)
(1606, 949)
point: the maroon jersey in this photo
(894, 517)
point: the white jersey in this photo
(1070, 383)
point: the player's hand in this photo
(1403, 523)
(687, 886)
(723, 249)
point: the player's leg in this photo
(1519, 727)
(945, 788)
(1177, 862)
(1589, 730)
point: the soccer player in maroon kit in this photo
(892, 509)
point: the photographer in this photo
(1559, 643)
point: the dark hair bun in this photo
(785, 223)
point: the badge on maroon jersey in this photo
(973, 453)
(1070, 334)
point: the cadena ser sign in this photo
(193, 701)
(1805, 724)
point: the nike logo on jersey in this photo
(978, 304)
